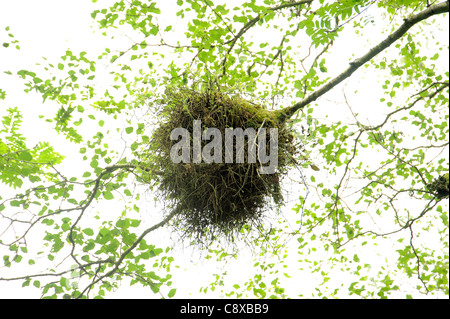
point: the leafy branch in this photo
(83, 267)
(117, 264)
(247, 26)
(408, 23)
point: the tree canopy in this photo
(361, 85)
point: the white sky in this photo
(46, 28)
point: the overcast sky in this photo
(46, 28)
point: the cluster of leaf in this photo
(12, 39)
(87, 260)
(19, 162)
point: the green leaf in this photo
(86, 174)
(15, 203)
(135, 223)
(94, 163)
(64, 282)
(129, 130)
(88, 231)
(108, 195)
(65, 226)
(171, 293)
(154, 288)
(25, 156)
(126, 192)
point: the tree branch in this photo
(439, 8)
(251, 23)
(130, 249)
